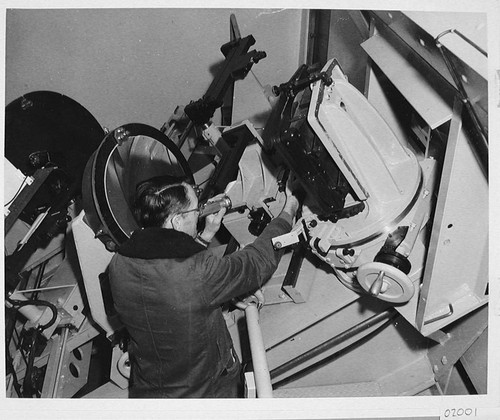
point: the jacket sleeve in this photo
(245, 270)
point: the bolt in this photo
(278, 245)
(120, 135)
(444, 360)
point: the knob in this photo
(376, 286)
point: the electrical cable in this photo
(27, 381)
(16, 304)
(17, 192)
(18, 346)
(20, 303)
(15, 383)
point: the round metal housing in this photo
(127, 156)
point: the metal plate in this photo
(58, 127)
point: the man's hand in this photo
(256, 298)
(212, 225)
(292, 204)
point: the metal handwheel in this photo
(385, 282)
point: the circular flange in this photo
(385, 282)
(127, 156)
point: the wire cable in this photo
(17, 192)
(20, 303)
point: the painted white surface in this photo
(138, 65)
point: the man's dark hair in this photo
(158, 198)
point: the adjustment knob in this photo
(378, 285)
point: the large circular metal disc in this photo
(49, 121)
(54, 126)
(127, 156)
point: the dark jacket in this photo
(168, 291)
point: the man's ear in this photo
(176, 221)
(171, 223)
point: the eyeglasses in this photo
(197, 191)
(196, 188)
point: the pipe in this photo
(62, 351)
(260, 367)
(321, 348)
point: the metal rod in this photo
(260, 367)
(329, 359)
(465, 99)
(42, 289)
(443, 316)
(185, 134)
(60, 362)
(466, 39)
(39, 277)
(481, 144)
(308, 327)
(321, 348)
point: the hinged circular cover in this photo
(128, 155)
(45, 128)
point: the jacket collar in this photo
(155, 242)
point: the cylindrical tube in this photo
(32, 312)
(332, 342)
(62, 353)
(213, 206)
(259, 360)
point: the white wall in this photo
(137, 65)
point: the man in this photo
(168, 289)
